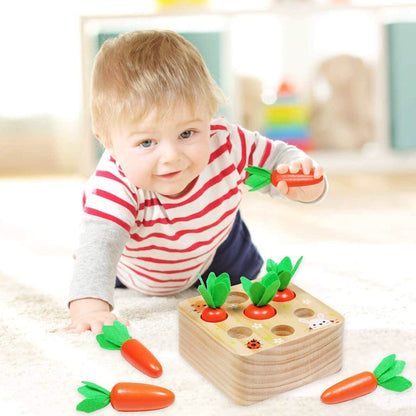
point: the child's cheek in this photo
(203, 158)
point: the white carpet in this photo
(358, 249)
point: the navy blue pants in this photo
(237, 256)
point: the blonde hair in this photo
(143, 70)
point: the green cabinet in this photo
(401, 52)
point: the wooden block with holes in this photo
(252, 360)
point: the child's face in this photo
(164, 155)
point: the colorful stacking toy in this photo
(287, 119)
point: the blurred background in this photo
(335, 77)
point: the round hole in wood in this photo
(236, 297)
(283, 330)
(304, 313)
(239, 332)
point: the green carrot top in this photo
(113, 336)
(216, 290)
(258, 177)
(387, 374)
(285, 270)
(262, 292)
(96, 397)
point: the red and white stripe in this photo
(172, 239)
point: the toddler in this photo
(163, 203)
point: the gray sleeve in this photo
(100, 247)
(284, 153)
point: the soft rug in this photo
(358, 249)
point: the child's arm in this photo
(92, 287)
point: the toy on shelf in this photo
(215, 293)
(251, 360)
(285, 271)
(287, 119)
(261, 293)
(116, 337)
(260, 177)
(124, 397)
(385, 375)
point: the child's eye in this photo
(146, 143)
(187, 134)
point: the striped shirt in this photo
(171, 239)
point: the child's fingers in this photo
(307, 165)
(110, 320)
(97, 327)
(295, 167)
(319, 172)
(282, 168)
(78, 328)
(282, 187)
(124, 321)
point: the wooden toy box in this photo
(252, 360)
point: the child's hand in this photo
(90, 315)
(301, 193)
(94, 322)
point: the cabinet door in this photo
(209, 45)
(402, 84)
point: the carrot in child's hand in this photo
(385, 375)
(260, 177)
(116, 337)
(295, 179)
(124, 397)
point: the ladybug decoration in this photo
(253, 344)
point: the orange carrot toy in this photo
(215, 294)
(116, 337)
(285, 270)
(261, 293)
(260, 177)
(385, 375)
(124, 397)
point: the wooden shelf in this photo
(279, 8)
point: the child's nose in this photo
(170, 153)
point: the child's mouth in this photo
(170, 175)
